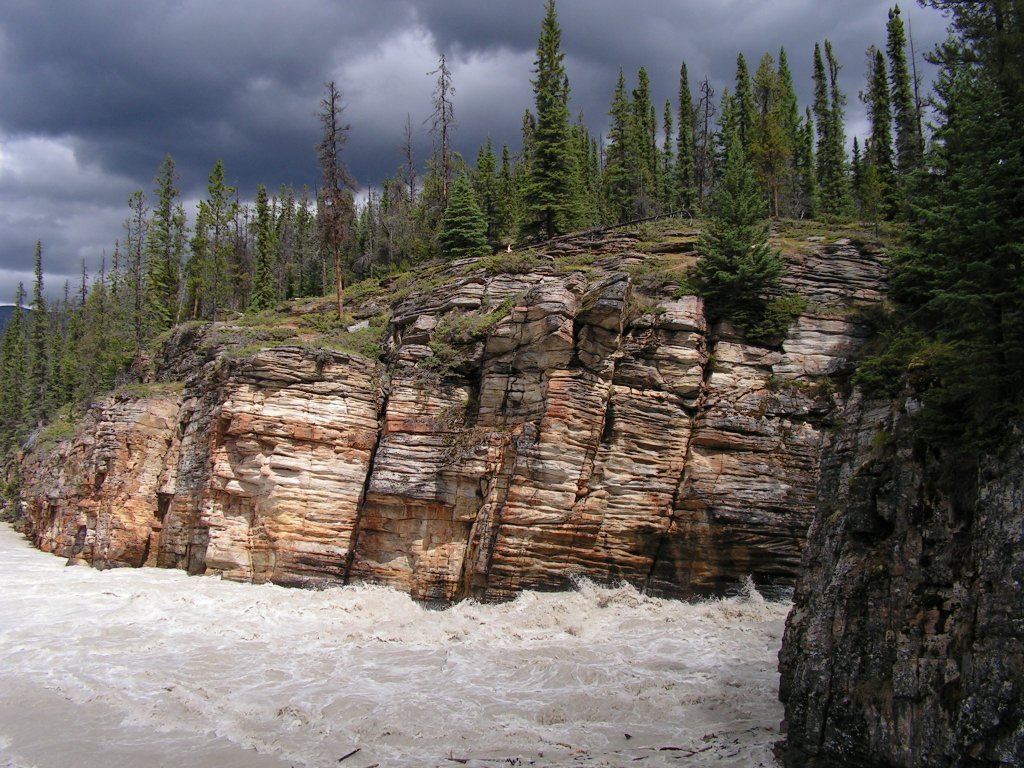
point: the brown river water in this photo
(150, 667)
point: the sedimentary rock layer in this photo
(521, 429)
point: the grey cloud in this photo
(121, 83)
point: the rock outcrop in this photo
(904, 645)
(528, 421)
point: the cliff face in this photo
(526, 423)
(904, 645)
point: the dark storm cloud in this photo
(93, 93)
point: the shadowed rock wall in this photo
(904, 645)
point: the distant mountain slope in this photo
(6, 310)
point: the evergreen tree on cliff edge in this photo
(550, 207)
(737, 266)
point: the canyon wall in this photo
(904, 645)
(522, 426)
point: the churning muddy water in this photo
(155, 668)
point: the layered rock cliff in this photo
(904, 645)
(526, 419)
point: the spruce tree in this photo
(737, 268)
(728, 132)
(210, 278)
(960, 282)
(13, 370)
(136, 228)
(619, 178)
(71, 364)
(309, 256)
(806, 199)
(165, 247)
(587, 180)
(788, 112)
(507, 214)
(38, 352)
(666, 190)
(643, 149)
(769, 148)
(857, 176)
(549, 205)
(485, 186)
(909, 144)
(285, 242)
(685, 186)
(746, 111)
(463, 228)
(832, 180)
(58, 345)
(879, 148)
(264, 294)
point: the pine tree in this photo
(264, 293)
(685, 185)
(909, 144)
(463, 228)
(737, 267)
(549, 205)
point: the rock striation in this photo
(529, 420)
(904, 644)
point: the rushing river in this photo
(151, 667)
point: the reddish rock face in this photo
(100, 497)
(525, 429)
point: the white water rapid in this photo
(149, 667)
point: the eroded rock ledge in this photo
(581, 429)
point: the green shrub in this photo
(778, 316)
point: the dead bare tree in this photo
(335, 206)
(442, 124)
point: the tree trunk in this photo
(337, 284)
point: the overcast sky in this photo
(94, 93)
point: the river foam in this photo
(152, 667)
